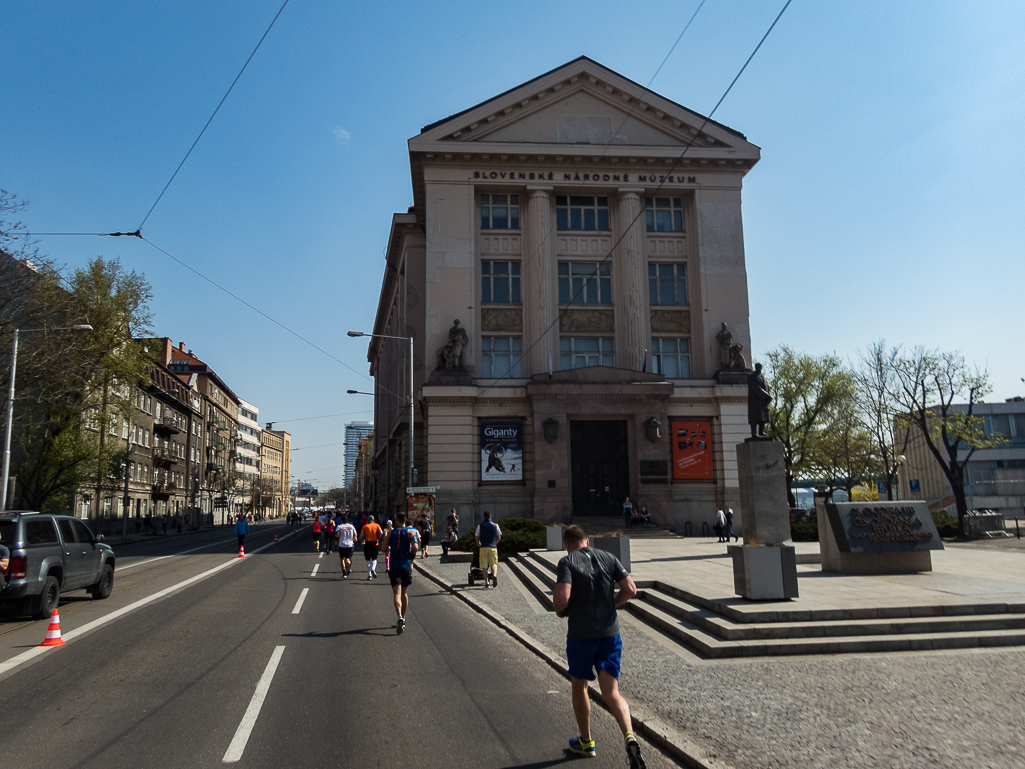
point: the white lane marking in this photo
(245, 728)
(315, 567)
(299, 603)
(19, 659)
(162, 557)
(321, 555)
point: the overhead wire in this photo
(665, 175)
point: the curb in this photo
(652, 730)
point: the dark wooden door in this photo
(599, 471)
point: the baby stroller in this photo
(476, 572)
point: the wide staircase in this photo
(719, 631)
(607, 526)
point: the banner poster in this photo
(692, 450)
(417, 504)
(501, 451)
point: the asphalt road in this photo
(175, 680)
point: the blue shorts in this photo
(586, 655)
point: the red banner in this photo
(692, 450)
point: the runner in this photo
(426, 529)
(316, 535)
(328, 528)
(346, 535)
(402, 551)
(371, 539)
(586, 593)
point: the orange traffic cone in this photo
(242, 552)
(275, 537)
(53, 631)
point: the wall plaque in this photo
(883, 527)
(654, 467)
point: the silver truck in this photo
(51, 555)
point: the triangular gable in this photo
(581, 103)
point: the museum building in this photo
(573, 251)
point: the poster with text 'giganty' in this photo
(692, 450)
(501, 451)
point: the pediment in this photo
(577, 106)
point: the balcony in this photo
(213, 467)
(165, 426)
(164, 490)
(162, 456)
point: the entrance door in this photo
(599, 471)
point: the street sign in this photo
(914, 485)
(421, 489)
(881, 485)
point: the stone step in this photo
(538, 588)
(731, 631)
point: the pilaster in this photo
(540, 302)
(629, 280)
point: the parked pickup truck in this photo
(50, 555)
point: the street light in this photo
(10, 402)
(411, 391)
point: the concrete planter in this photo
(554, 537)
(618, 546)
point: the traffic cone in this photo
(242, 552)
(53, 631)
(275, 537)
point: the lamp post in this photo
(10, 402)
(411, 392)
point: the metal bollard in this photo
(705, 531)
(687, 529)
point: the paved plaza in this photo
(950, 708)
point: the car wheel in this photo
(103, 588)
(49, 599)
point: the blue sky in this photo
(888, 202)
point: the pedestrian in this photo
(241, 529)
(163, 523)
(5, 560)
(328, 536)
(426, 529)
(385, 537)
(453, 521)
(628, 511)
(644, 517)
(316, 535)
(345, 533)
(720, 524)
(488, 535)
(729, 525)
(585, 593)
(401, 552)
(370, 536)
(447, 541)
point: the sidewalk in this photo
(909, 709)
(115, 538)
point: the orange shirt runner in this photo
(371, 533)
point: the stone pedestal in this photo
(764, 573)
(618, 546)
(553, 536)
(765, 566)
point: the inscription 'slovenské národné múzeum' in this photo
(883, 526)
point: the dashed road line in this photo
(245, 728)
(299, 603)
(315, 568)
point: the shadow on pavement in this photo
(388, 630)
(566, 756)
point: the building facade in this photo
(247, 458)
(354, 433)
(573, 274)
(995, 478)
(275, 450)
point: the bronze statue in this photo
(451, 355)
(758, 400)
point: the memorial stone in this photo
(876, 537)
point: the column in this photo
(630, 282)
(538, 287)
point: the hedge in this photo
(518, 536)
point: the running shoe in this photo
(633, 752)
(400, 626)
(374, 573)
(581, 748)
(369, 578)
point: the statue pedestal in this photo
(764, 573)
(765, 566)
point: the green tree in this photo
(928, 384)
(806, 392)
(336, 496)
(75, 387)
(844, 450)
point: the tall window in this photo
(667, 284)
(500, 356)
(670, 357)
(664, 214)
(500, 282)
(583, 351)
(582, 212)
(499, 212)
(585, 283)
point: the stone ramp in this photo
(721, 629)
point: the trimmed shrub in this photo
(804, 532)
(518, 536)
(946, 524)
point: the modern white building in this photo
(247, 454)
(354, 433)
